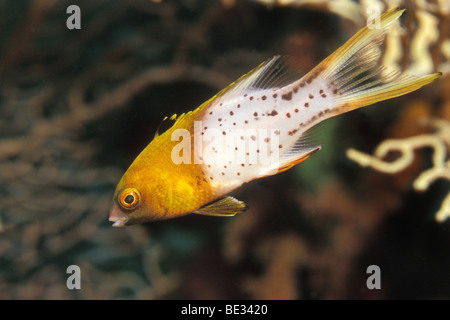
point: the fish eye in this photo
(129, 198)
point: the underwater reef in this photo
(78, 105)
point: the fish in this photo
(260, 125)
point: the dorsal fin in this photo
(276, 72)
(172, 119)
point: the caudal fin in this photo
(357, 76)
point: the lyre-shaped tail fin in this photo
(357, 76)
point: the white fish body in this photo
(268, 112)
(261, 121)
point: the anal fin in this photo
(305, 146)
(224, 207)
(289, 165)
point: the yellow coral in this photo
(439, 141)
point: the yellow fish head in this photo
(134, 202)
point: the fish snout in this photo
(118, 217)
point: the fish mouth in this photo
(116, 216)
(118, 222)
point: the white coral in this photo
(439, 141)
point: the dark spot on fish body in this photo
(255, 114)
(253, 138)
(251, 98)
(280, 146)
(231, 113)
(266, 140)
(238, 106)
(287, 96)
(296, 110)
(273, 113)
(275, 95)
(288, 115)
(220, 119)
(238, 174)
(306, 105)
(242, 165)
(245, 121)
(224, 133)
(311, 96)
(263, 97)
(277, 132)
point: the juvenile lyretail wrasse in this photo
(257, 126)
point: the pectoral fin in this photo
(225, 207)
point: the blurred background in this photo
(77, 106)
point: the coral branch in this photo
(439, 141)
